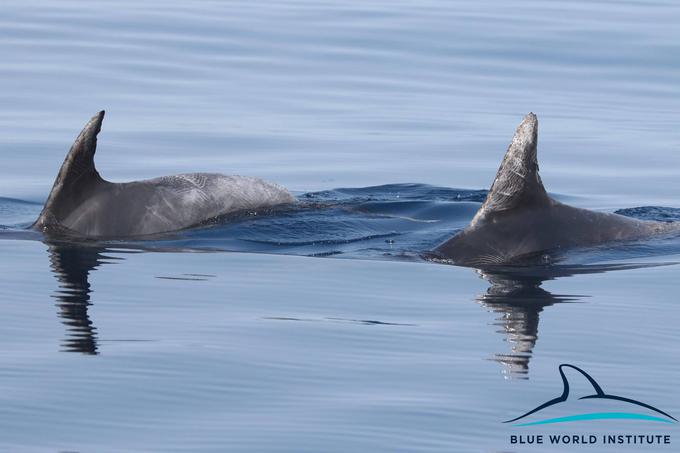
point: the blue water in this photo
(324, 327)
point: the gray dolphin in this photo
(83, 203)
(519, 221)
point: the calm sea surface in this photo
(317, 330)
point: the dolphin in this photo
(519, 222)
(82, 203)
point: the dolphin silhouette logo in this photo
(599, 394)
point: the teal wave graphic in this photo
(598, 416)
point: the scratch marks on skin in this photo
(186, 200)
(191, 187)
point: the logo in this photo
(634, 411)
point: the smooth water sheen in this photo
(248, 334)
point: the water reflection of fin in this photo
(517, 296)
(72, 265)
(519, 301)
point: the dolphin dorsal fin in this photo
(517, 182)
(77, 174)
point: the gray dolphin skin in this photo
(518, 222)
(84, 204)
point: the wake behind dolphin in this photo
(84, 204)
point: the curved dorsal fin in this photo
(517, 182)
(76, 176)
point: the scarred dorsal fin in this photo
(77, 175)
(517, 182)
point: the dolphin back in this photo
(172, 203)
(83, 203)
(519, 223)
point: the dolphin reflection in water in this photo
(515, 295)
(72, 265)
